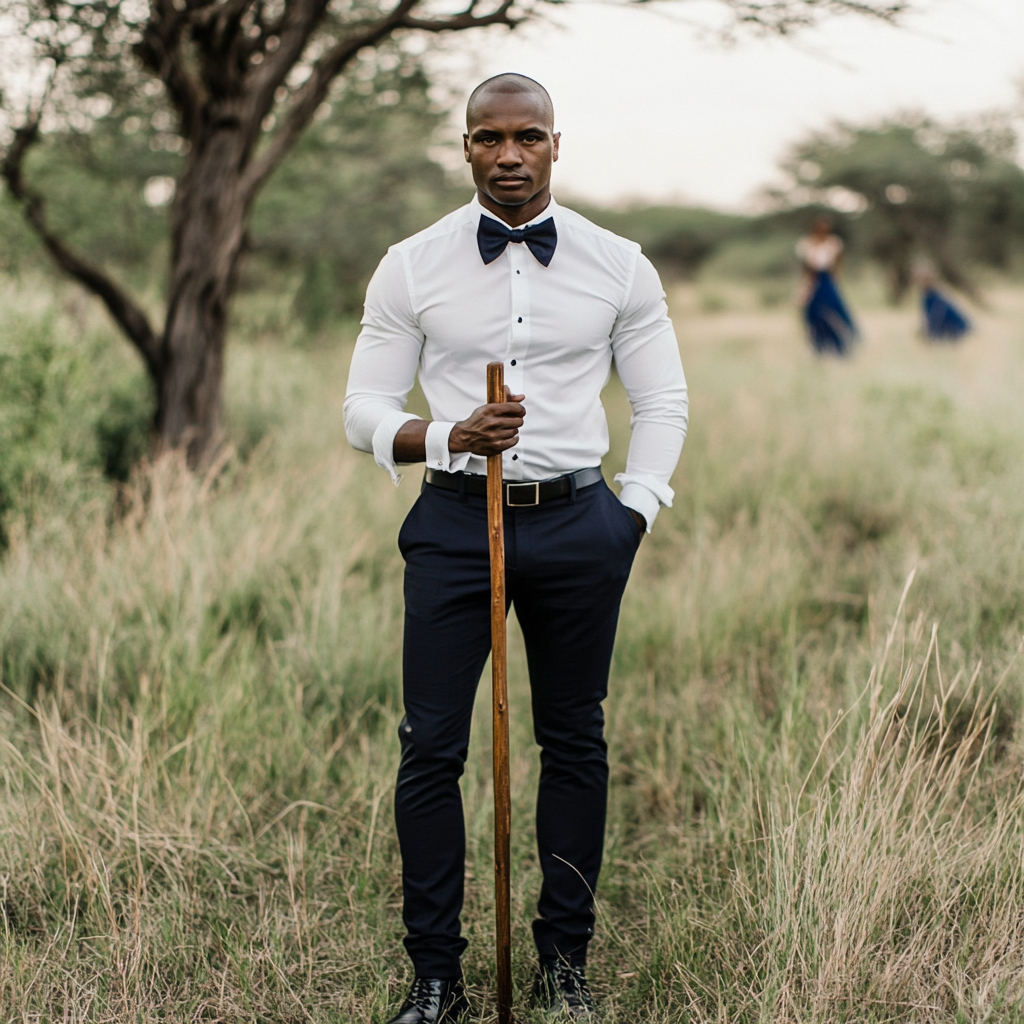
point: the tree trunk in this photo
(209, 215)
(224, 66)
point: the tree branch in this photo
(783, 17)
(330, 65)
(313, 93)
(464, 19)
(129, 317)
(160, 51)
(293, 29)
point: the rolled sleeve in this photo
(383, 443)
(642, 499)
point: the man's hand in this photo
(491, 429)
(639, 520)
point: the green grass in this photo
(814, 720)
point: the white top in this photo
(819, 255)
(433, 306)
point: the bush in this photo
(678, 239)
(73, 410)
(753, 258)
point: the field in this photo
(817, 810)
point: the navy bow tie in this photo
(492, 236)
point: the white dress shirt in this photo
(819, 255)
(434, 307)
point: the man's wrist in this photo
(639, 498)
(457, 443)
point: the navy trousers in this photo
(567, 563)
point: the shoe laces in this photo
(423, 993)
(571, 983)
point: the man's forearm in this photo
(490, 430)
(411, 441)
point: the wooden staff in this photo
(499, 692)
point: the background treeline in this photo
(901, 191)
(76, 409)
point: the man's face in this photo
(511, 147)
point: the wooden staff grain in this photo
(499, 693)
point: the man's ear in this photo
(554, 146)
(465, 146)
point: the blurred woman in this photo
(942, 320)
(829, 324)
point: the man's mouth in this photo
(510, 180)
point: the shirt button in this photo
(514, 457)
(513, 363)
(520, 319)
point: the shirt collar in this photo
(475, 209)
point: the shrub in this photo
(73, 411)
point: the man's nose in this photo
(509, 155)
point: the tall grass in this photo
(816, 807)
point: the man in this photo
(513, 276)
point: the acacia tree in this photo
(244, 79)
(952, 194)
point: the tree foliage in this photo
(94, 175)
(361, 178)
(918, 189)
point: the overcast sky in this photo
(648, 109)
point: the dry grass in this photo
(816, 810)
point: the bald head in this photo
(508, 84)
(510, 142)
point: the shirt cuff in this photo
(384, 441)
(639, 494)
(438, 456)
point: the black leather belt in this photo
(517, 495)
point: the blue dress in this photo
(942, 320)
(829, 324)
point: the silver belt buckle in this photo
(522, 504)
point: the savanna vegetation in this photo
(814, 718)
(816, 706)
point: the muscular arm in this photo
(647, 358)
(489, 430)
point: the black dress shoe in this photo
(562, 990)
(433, 1001)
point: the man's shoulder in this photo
(448, 225)
(594, 233)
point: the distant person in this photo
(942, 320)
(829, 324)
(516, 277)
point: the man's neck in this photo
(516, 216)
